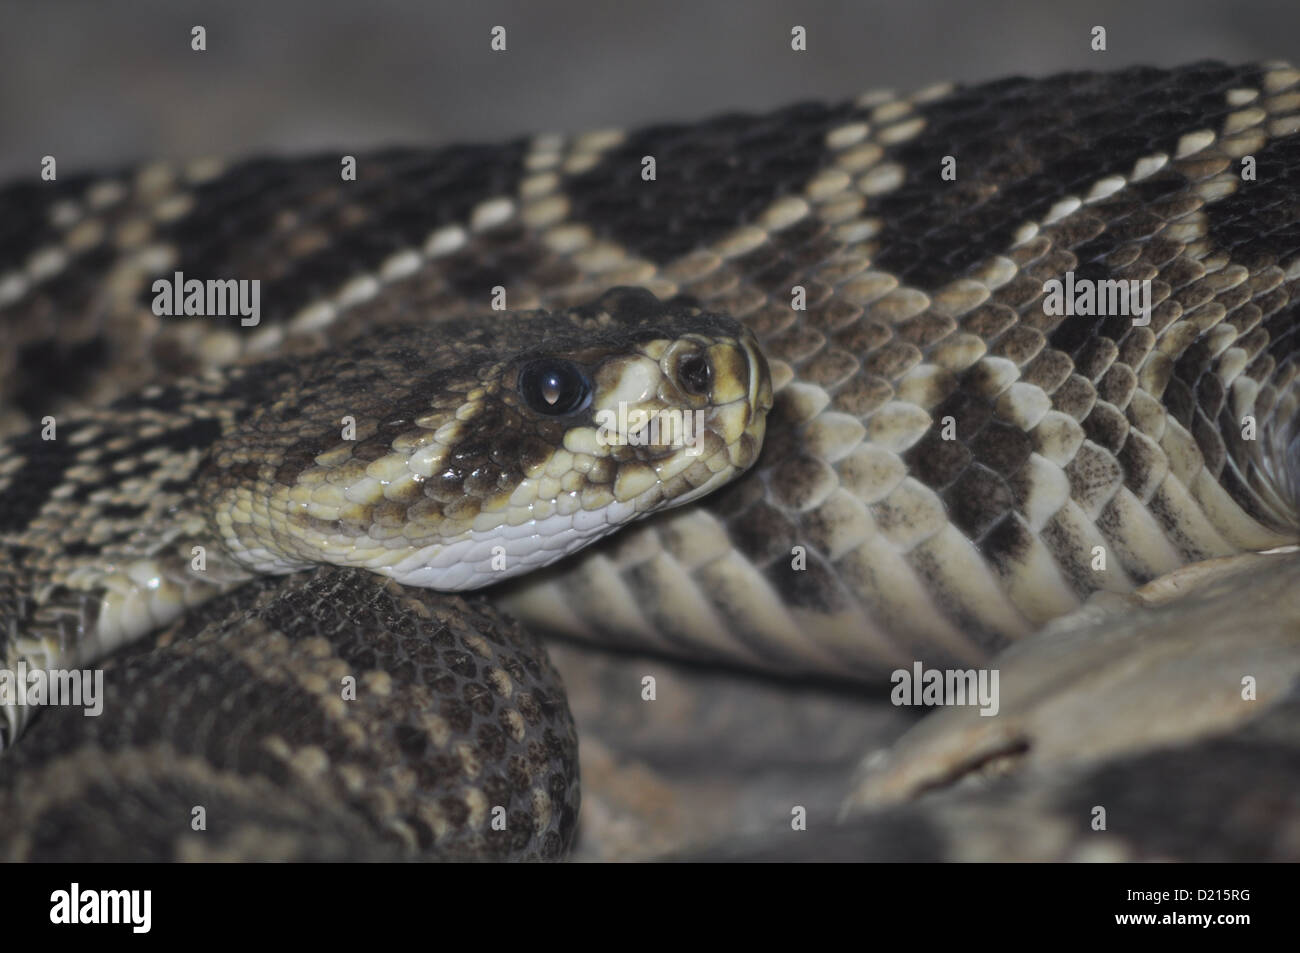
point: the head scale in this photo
(456, 455)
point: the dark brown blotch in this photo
(1002, 447)
(977, 500)
(764, 535)
(936, 462)
(1048, 371)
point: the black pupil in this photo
(695, 374)
(554, 387)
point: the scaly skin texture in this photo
(412, 453)
(948, 465)
(235, 739)
(444, 473)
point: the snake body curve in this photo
(945, 459)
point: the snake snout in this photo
(722, 380)
(724, 372)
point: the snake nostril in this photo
(695, 374)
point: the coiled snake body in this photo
(950, 461)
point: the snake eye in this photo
(554, 387)
(695, 374)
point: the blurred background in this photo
(100, 81)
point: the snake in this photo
(397, 479)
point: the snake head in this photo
(482, 449)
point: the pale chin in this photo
(484, 558)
